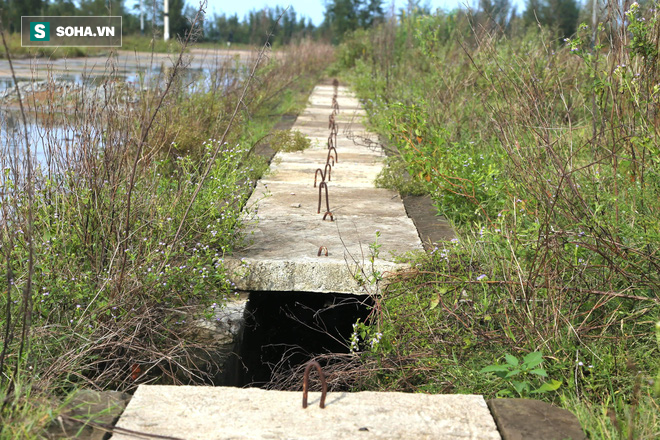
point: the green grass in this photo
(115, 278)
(556, 211)
(146, 43)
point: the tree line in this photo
(340, 18)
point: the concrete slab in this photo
(358, 138)
(302, 174)
(521, 419)
(323, 112)
(347, 153)
(233, 413)
(282, 245)
(275, 200)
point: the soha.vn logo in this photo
(39, 31)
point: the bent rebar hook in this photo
(323, 173)
(324, 385)
(316, 173)
(335, 159)
(327, 170)
(327, 203)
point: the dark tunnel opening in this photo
(286, 329)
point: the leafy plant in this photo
(522, 376)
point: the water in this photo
(50, 141)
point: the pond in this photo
(53, 144)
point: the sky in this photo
(314, 9)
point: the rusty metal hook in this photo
(336, 158)
(321, 249)
(330, 141)
(327, 204)
(328, 213)
(333, 133)
(324, 385)
(323, 173)
(316, 173)
(327, 170)
(331, 120)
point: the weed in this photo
(289, 141)
(543, 154)
(134, 213)
(522, 375)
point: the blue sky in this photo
(314, 9)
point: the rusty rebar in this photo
(327, 203)
(331, 142)
(335, 83)
(333, 133)
(331, 120)
(321, 249)
(316, 174)
(336, 158)
(328, 213)
(327, 170)
(324, 385)
(335, 105)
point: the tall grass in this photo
(134, 210)
(544, 155)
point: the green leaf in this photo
(533, 359)
(434, 303)
(548, 386)
(494, 368)
(539, 372)
(511, 360)
(512, 373)
(520, 387)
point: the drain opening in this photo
(284, 330)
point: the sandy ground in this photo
(125, 62)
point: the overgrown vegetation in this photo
(544, 154)
(116, 214)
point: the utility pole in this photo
(166, 20)
(141, 18)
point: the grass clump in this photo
(289, 141)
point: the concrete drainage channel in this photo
(309, 270)
(284, 330)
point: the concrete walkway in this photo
(284, 256)
(288, 232)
